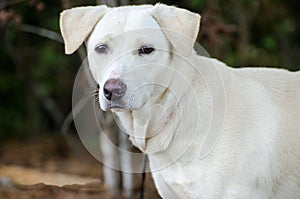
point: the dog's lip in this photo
(117, 108)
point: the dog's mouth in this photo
(118, 105)
(117, 108)
(114, 106)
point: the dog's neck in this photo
(174, 139)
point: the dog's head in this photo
(130, 49)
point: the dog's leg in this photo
(109, 149)
(126, 165)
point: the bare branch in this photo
(43, 32)
(4, 4)
(49, 104)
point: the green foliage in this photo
(32, 67)
(196, 4)
(269, 43)
(241, 33)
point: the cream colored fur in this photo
(256, 154)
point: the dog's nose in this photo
(114, 89)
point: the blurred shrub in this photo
(34, 69)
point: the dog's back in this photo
(283, 89)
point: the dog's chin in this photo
(116, 107)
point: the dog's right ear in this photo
(179, 25)
(77, 23)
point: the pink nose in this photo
(114, 89)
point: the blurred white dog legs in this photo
(101, 136)
(112, 156)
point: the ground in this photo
(54, 167)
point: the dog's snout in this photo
(114, 89)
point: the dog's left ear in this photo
(179, 25)
(77, 23)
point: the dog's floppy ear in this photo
(77, 23)
(179, 25)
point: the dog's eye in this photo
(101, 49)
(146, 50)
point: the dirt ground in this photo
(51, 167)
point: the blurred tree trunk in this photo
(239, 13)
(113, 3)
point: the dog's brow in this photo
(144, 40)
(105, 39)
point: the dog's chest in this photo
(183, 181)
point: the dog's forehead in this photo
(125, 19)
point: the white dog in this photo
(210, 131)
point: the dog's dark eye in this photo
(101, 49)
(146, 50)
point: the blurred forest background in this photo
(36, 78)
